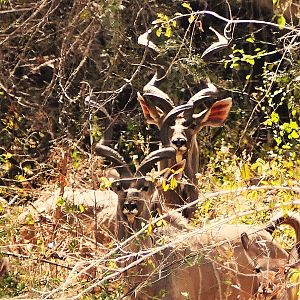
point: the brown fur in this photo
(210, 264)
(273, 274)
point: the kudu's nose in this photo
(130, 208)
(179, 142)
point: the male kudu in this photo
(136, 192)
(103, 210)
(179, 126)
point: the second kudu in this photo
(179, 126)
(136, 192)
(274, 274)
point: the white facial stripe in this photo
(130, 212)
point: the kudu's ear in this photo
(152, 113)
(215, 116)
(245, 240)
(250, 246)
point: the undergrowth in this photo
(42, 251)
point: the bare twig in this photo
(40, 260)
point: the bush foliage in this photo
(63, 61)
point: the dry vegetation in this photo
(63, 61)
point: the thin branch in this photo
(13, 11)
(232, 21)
(42, 260)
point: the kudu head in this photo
(179, 125)
(273, 273)
(135, 190)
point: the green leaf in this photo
(158, 32)
(165, 186)
(278, 140)
(250, 39)
(294, 135)
(104, 183)
(250, 60)
(294, 276)
(191, 19)
(7, 155)
(186, 5)
(238, 51)
(173, 183)
(149, 229)
(276, 3)
(178, 14)
(60, 201)
(281, 21)
(168, 32)
(245, 172)
(81, 208)
(30, 220)
(294, 125)
(235, 66)
(161, 223)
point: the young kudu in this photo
(273, 274)
(179, 126)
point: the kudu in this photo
(206, 263)
(98, 216)
(273, 274)
(136, 192)
(179, 126)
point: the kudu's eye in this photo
(257, 269)
(145, 188)
(118, 186)
(187, 123)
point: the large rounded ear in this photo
(214, 117)
(153, 114)
(155, 103)
(245, 241)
